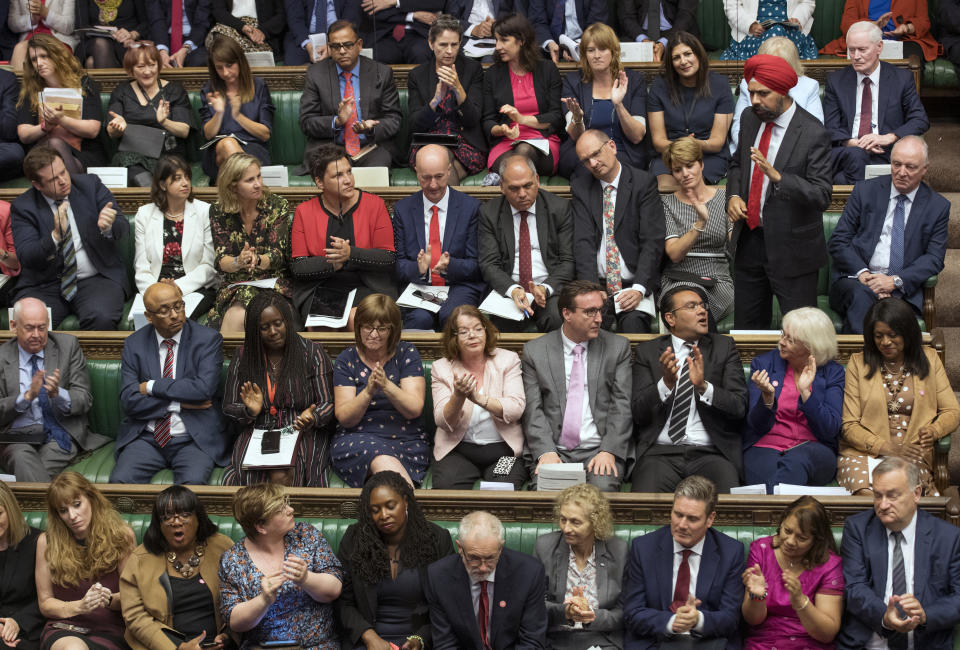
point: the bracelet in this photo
(486, 403)
(578, 122)
(804, 606)
(700, 229)
(417, 637)
(758, 598)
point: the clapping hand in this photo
(344, 111)
(619, 90)
(687, 616)
(252, 398)
(669, 368)
(248, 258)
(792, 584)
(440, 268)
(117, 125)
(484, 29)
(511, 112)
(305, 419)
(768, 391)
(235, 104)
(576, 112)
(891, 617)
(754, 581)
(423, 260)
(807, 375)
(695, 363)
(378, 379)
(51, 382)
(364, 126)
(217, 102)
(448, 75)
(295, 569)
(270, 584)
(163, 111)
(97, 596)
(465, 385)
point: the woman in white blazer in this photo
(173, 239)
(55, 17)
(746, 18)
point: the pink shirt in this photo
(791, 427)
(6, 235)
(525, 101)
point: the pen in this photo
(527, 314)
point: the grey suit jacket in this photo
(62, 352)
(379, 100)
(609, 384)
(607, 629)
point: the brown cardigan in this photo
(865, 423)
(146, 606)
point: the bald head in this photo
(433, 171)
(519, 181)
(164, 308)
(30, 321)
(908, 163)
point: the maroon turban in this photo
(772, 71)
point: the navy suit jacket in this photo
(936, 580)
(822, 409)
(648, 589)
(9, 89)
(518, 620)
(199, 15)
(459, 238)
(541, 16)
(899, 108)
(41, 261)
(461, 9)
(924, 240)
(299, 13)
(199, 358)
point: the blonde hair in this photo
(17, 528)
(601, 36)
(814, 329)
(784, 48)
(67, 66)
(593, 503)
(231, 172)
(108, 540)
(683, 151)
(255, 504)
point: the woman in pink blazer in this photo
(478, 400)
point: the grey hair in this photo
(894, 463)
(18, 308)
(784, 48)
(867, 27)
(480, 522)
(444, 23)
(698, 488)
(507, 159)
(814, 330)
(914, 139)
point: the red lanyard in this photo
(271, 390)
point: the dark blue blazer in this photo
(899, 108)
(924, 241)
(9, 89)
(198, 14)
(459, 238)
(199, 360)
(822, 409)
(936, 580)
(519, 617)
(41, 262)
(541, 12)
(648, 589)
(299, 13)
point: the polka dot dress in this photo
(771, 10)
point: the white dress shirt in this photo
(538, 269)
(441, 218)
(880, 260)
(697, 434)
(908, 547)
(776, 137)
(572, 26)
(85, 268)
(176, 423)
(875, 95)
(589, 436)
(243, 8)
(481, 9)
(625, 274)
(694, 563)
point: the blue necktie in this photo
(51, 426)
(559, 19)
(319, 22)
(896, 236)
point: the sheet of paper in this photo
(317, 41)
(757, 488)
(498, 486)
(407, 299)
(636, 52)
(646, 305)
(314, 320)
(266, 283)
(275, 175)
(260, 59)
(573, 47)
(110, 176)
(539, 143)
(504, 307)
(872, 465)
(812, 490)
(477, 48)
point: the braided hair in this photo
(368, 557)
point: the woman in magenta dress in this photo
(794, 584)
(521, 98)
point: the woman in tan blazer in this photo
(897, 399)
(179, 558)
(478, 400)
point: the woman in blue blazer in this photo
(795, 401)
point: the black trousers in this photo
(468, 462)
(98, 303)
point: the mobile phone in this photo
(279, 643)
(504, 465)
(71, 628)
(271, 442)
(208, 644)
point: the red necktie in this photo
(436, 248)
(756, 181)
(398, 32)
(682, 591)
(523, 246)
(351, 139)
(482, 614)
(161, 432)
(176, 26)
(866, 110)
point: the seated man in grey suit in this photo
(44, 397)
(526, 245)
(577, 382)
(330, 111)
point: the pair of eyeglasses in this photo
(382, 330)
(691, 306)
(171, 517)
(594, 155)
(436, 298)
(476, 331)
(591, 312)
(166, 310)
(346, 45)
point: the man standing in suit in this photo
(436, 233)
(901, 568)
(689, 400)
(868, 106)
(891, 237)
(306, 18)
(180, 38)
(526, 244)
(170, 371)
(684, 579)
(577, 382)
(487, 597)
(777, 189)
(44, 397)
(618, 230)
(656, 20)
(65, 231)
(551, 23)
(329, 111)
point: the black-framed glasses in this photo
(591, 312)
(166, 310)
(171, 517)
(346, 45)
(382, 330)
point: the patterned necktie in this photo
(351, 139)
(682, 394)
(482, 616)
(161, 432)
(682, 591)
(523, 248)
(614, 280)
(68, 279)
(866, 110)
(756, 181)
(176, 26)
(572, 415)
(898, 577)
(436, 247)
(51, 426)
(896, 236)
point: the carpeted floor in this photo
(942, 139)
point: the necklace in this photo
(894, 383)
(174, 217)
(191, 567)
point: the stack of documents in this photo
(555, 477)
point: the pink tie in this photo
(570, 434)
(161, 431)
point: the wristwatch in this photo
(898, 282)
